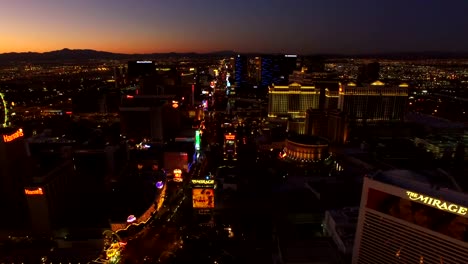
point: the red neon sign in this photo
(230, 137)
(17, 134)
(37, 191)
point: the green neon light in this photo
(197, 140)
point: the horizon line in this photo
(246, 52)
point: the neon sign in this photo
(232, 137)
(37, 191)
(207, 182)
(8, 138)
(197, 140)
(436, 203)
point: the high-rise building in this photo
(369, 73)
(14, 165)
(263, 71)
(138, 69)
(241, 73)
(292, 101)
(411, 218)
(149, 117)
(376, 102)
(48, 197)
(275, 69)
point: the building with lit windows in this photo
(292, 101)
(406, 217)
(376, 102)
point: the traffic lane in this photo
(166, 239)
(157, 238)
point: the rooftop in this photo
(433, 183)
(432, 121)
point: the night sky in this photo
(287, 26)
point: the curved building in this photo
(304, 148)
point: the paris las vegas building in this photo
(405, 217)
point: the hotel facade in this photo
(403, 220)
(292, 100)
(375, 102)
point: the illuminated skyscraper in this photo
(276, 69)
(410, 218)
(292, 101)
(241, 73)
(372, 103)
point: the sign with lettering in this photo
(11, 137)
(203, 182)
(230, 137)
(37, 191)
(436, 203)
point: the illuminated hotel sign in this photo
(232, 137)
(11, 137)
(144, 62)
(37, 191)
(203, 182)
(436, 203)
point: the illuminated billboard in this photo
(424, 211)
(177, 175)
(203, 198)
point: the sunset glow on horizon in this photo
(298, 26)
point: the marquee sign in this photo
(203, 182)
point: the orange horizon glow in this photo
(106, 49)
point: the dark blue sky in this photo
(288, 26)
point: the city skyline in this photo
(301, 27)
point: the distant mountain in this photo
(68, 55)
(74, 55)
